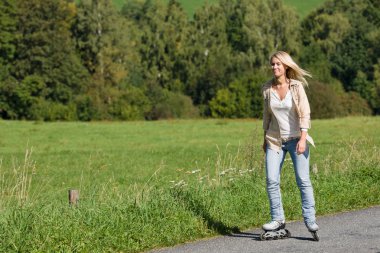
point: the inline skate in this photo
(274, 230)
(313, 228)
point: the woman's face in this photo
(278, 68)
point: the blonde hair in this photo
(293, 71)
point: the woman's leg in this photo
(301, 169)
(273, 164)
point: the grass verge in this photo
(223, 197)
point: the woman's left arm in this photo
(304, 108)
(304, 111)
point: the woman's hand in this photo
(301, 146)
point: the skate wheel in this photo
(266, 237)
(262, 237)
(315, 236)
(288, 234)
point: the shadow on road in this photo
(246, 235)
(302, 238)
(257, 236)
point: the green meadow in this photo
(190, 6)
(67, 153)
(303, 8)
(147, 185)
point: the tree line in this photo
(87, 60)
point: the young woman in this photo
(286, 121)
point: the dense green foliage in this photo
(151, 184)
(347, 34)
(91, 61)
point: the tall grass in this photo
(15, 185)
(224, 194)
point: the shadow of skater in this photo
(195, 205)
(246, 235)
(257, 236)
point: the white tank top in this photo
(286, 114)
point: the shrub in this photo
(324, 101)
(354, 104)
(232, 102)
(52, 111)
(173, 105)
(129, 104)
(330, 101)
(18, 98)
(242, 99)
(85, 108)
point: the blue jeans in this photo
(273, 162)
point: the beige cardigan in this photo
(270, 124)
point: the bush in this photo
(231, 102)
(173, 105)
(52, 111)
(330, 101)
(85, 108)
(27, 100)
(354, 104)
(129, 104)
(242, 99)
(18, 98)
(324, 101)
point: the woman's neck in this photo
(280, 81)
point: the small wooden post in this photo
(73, 197)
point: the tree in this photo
(208, 56)
(231, 102)
(327, 30)
(254, 28)
(232, 40)
(8, 35)
(107, 49)
(347, 33)
(163, 31)
(163, 35)
(44, 49)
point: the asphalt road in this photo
(357, 231)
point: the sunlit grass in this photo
(190, 6)
(152, 184)
(303, 8)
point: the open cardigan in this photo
(270, 124)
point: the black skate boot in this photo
(274, 230)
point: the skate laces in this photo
(312, 226)
(274, 224)
(277, 222)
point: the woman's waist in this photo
(289, 138)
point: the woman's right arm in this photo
(266, 118)
(264, 143)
